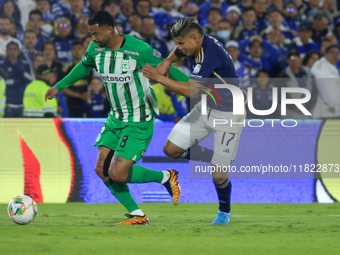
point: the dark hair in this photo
(262, 71)
(12, 43)
(77, 42)
(326, 40)
(4, 16)
(321, 14)
(293, 53)
(248, 9)
(253, 42)
(46, 43)
(35, 12)
(331, 47)
(184, 26)
(308, 55)
(148, 17)
(30, 31)
(87, 36)
(275, 10)
(143, 1)
(102, 18)
(212, 9)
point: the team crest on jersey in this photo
(125, 65)
(157, 54)
(197, 69)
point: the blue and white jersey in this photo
(214, 65)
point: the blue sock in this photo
(198, 153)
(223, 192)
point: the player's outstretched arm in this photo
(77, 73)
(187, 89)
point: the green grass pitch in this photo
(79, 228)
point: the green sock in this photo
(141, 174)
(122, 193)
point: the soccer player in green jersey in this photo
(129, 127)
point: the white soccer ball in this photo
(22, 209)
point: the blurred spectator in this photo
(18, 76)
(275, 21)
(214, 16)
(120, 27)
(262, 96)
(63, 40)
(25, 8)
(241, 69)
(256, 59)
(77, 93)
(248, 29)
(95, 5)
(261, 19)
(292, 16)
(78, 10)
(246, 3)
(45, 8)
(14, 31)
(155, 5)
(59, 8)
(303, 42)
(233, 16)
(96, 106)
(81, 32)
(5, 38)
(34, 22)
(324, 45)
(143, 8)
(319, 27)
(86, 42)
(3, 77)
(224, 31)
(30, 40)
(191, 9)
(135, 24)
(168, 7)
(113, 7)
(127, 8)
(148, 33)
(48, 50)
(34, 102)
(297, 76)
(204, 9)
(310, 58)
(327, 81)
(172, 107)
(10, 9)
(38, 60)
(301, 6)
(313, 8)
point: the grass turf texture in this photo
(79, 228)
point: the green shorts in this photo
(129, 140)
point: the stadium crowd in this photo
(273, 43)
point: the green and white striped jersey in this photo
(130, 94)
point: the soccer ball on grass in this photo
(22, 209)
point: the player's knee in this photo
(117, 176)
(170, 153)
(218, 181)
(99, 169)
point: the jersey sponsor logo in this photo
(99, 49)
(143, 152)
(197, 69)
(156, 53)
(196, 76)
(136, 53)
(116, 78)
(125, 65)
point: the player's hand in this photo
(163, 67)
(51, 92)
(151, 73)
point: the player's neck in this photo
(116, 41)
(199, 46)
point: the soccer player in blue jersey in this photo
(211, 65)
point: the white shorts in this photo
(194, 127)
